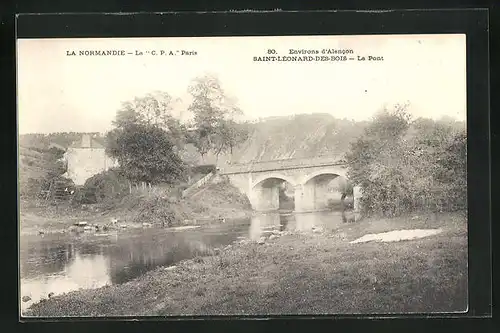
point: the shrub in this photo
(156, 209)
(203, 169)
(103, 187)
(34, 187)
(146, 153)
(404, 166)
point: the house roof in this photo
(93, 142)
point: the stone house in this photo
(86, 158)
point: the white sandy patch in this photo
(397, 235)
(185, 228)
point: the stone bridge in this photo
(260, 181)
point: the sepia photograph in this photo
(249, 176)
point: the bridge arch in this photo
(264, 197)
(266, 176)
(333, 172)
(315, 193)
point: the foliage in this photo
(152, 109)
(203, 169)
(452, 171)
(155, 209)
(104, 186)
(38, 168)
(36, 187)
(214, 117)
(405, 165)
(145, 153)
(227, 135)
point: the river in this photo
(60, 263)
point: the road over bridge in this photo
(260, 181)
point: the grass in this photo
(298, 274)
(217, 201)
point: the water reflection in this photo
(263, 222)
(294, 222)
(83, 271)
(61, 263)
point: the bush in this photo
(35, 187)
(404, 166)
(146, 153)
(203, 169)
(155, 209)
(32, 188)
(103, 187)
(84, 196)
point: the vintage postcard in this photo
(242, 175)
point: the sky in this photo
(62, 93)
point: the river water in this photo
(60, 263)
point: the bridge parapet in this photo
(261, 166)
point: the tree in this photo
(451, 170)
(237, 134)
(202, 141)
(152, 109)
(377, 158)
(406, 165)
(227, 135)
(214, 117)
(345, 189)
(145, 153)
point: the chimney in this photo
(86, 141)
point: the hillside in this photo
(299, 136)
(41, 142)
(39, 155)
(35, 166)
(308, 135)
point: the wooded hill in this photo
(302, 136)
(299, 136)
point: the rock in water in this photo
(26, 299)
(51, 294)
(261, 240)
(273, 237)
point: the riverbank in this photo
(316, 272)
(32, 224)
(217, 202)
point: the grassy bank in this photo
(311, 273)
(215, 201)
